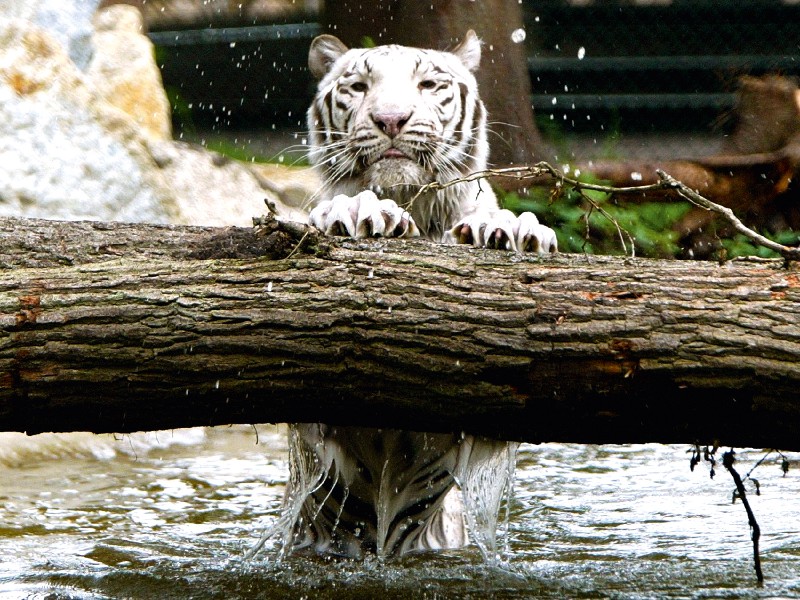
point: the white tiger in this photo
(390, 119)
(386, 121)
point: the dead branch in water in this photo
(728, 458)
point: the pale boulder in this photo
(68, 21)
(124, 73)
(65, 153)
(211, 189)
(95, 144)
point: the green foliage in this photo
(181, 111)
(739, 245)
(580, 227)
(236, 152)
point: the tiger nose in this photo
(391, 122)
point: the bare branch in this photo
(727, 461)
(692, 196)
(666, 183)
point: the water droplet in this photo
(581, 53)
(518, 36)
(232, 44)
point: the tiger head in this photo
(392, 118)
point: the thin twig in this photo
(666, 183)
(298, 245)
(621, 231)
(727, 461)
(755, 466)
(692, 196)
(534, 171)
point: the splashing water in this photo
(586, 522)
(306, 473)
(404, 501)
(486, 478)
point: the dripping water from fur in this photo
(487, 483)
(482, 470)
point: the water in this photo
(172, 516)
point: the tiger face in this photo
(392, 118)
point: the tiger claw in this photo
(362, 216)
(503, 230)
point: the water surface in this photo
(171, 515)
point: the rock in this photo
(65, 153)
(211, 189)
(95, 145)
(68, 22)
(123, 72)
(294, 186)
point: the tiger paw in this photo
(504, 230)
(362, 216)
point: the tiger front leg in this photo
(362, 216)
(504, 230)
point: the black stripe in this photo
(464, 90)
(329, 108)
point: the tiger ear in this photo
(469, 51)
(325, 50)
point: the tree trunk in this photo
(503, 77)
(114, 327)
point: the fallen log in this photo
(115, 327)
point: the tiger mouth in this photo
(394, 153)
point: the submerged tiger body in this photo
(384, 122)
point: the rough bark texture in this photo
(111, 327)
(503, 77)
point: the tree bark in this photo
(503, 77)
(114, 327)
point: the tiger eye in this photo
(359, 86)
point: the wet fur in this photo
(448, 140)
(357, 490)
